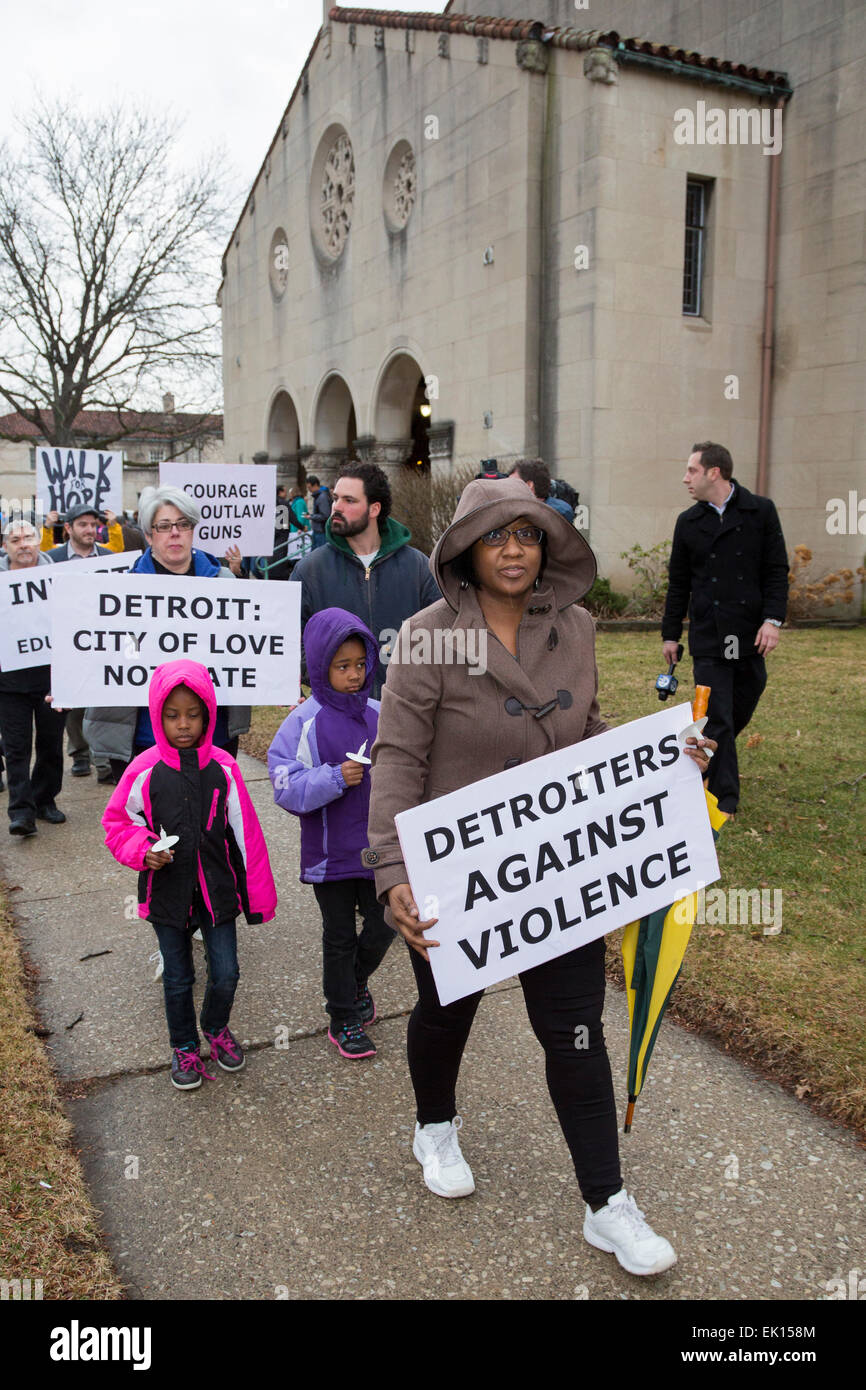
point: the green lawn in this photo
(792, 1003)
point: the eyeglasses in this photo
(163, 527)
(526, 535)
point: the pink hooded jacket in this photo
(221, 860)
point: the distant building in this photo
(486, 237)
(148, 437)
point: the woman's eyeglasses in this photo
(526, 535)
(163, 527)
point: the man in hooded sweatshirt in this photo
(319, 765)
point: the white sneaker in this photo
(620, 1229)
(160, 963)
(446, 1171)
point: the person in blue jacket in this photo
(316, 778)
(168, 518)
(367, 565)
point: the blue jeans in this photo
(221, 953)
(319, 538)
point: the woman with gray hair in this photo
(153, 498)
(168, 517)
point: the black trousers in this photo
(736, 687)
(350, 958)
(564, 999)
(20, 712)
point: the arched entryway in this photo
(334, 429)
(335, 426)
(402, 414)
(284, 438)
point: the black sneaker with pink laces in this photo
(225, 1050)
(187, 1068)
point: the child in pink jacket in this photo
(217, 868)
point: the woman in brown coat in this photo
(511, 570)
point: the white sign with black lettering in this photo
(536, 861)
(67, 478)
(25, 613)
(108, 639)
(237, 503)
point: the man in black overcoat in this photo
(729, 571)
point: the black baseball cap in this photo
(82, 509)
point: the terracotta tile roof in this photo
(666, 57)
(681, 60)
(478, 25)
(108, 424)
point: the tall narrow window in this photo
(697, 198)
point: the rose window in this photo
(337, 195)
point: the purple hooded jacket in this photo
(305, 756)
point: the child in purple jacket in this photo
(316, 779)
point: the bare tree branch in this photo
(109, 263)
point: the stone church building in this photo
(535, 234)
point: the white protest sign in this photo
(67, 477)
(299, 544)
(536, 861)
(237, 503)
(25, 613)
(107, 639)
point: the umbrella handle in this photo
(700, 702)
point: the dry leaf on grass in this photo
(754, 740)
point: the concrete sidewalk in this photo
(296, 1179)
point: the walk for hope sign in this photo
(25, 611)
(237, 503)
(69, 477)
(536, 861)
(107, 639)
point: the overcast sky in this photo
(228, 66)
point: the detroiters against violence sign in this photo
(536, 861)
(108, 635)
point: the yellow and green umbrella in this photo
(652, 953)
